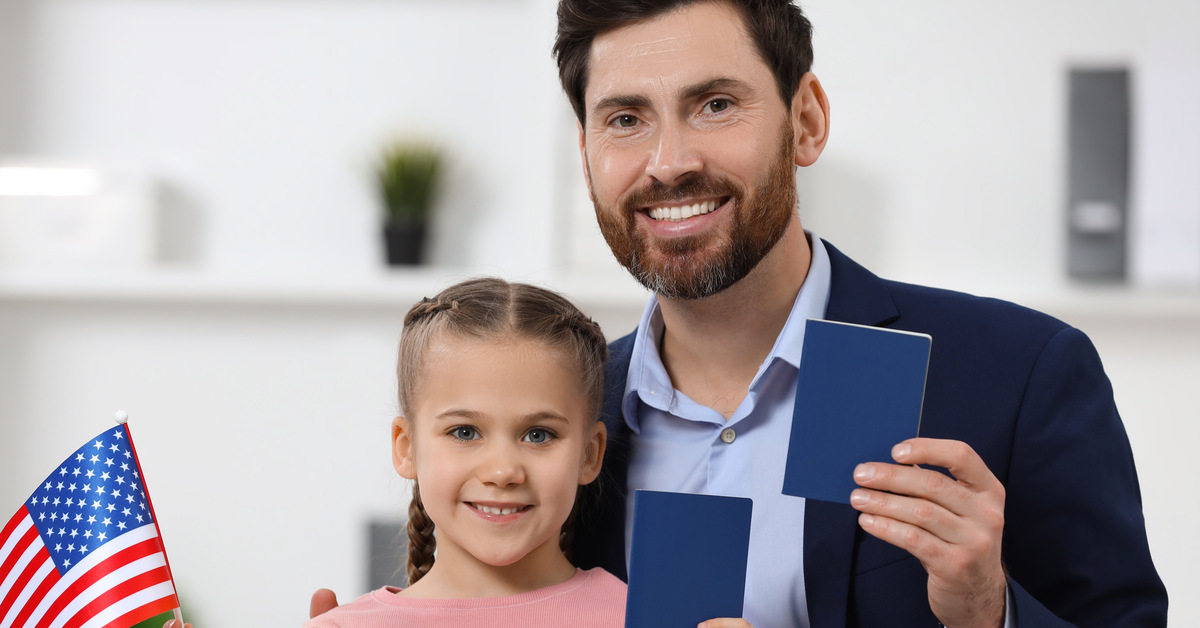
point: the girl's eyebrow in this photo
(458, 414)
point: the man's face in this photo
(688, 150)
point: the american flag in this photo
(84, 550)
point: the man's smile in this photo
(677, 213)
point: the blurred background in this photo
(190, 232)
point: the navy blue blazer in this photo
(1029, 394)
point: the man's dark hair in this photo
(779, 29)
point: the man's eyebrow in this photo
(620, 102)
(719, 84)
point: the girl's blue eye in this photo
(538, 436)
(465, 432)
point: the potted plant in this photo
(407, 177)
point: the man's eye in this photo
(716, 106)
(538, 435)
(626, 121)
(465, 432)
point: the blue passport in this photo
(687, 558)
(859, 393)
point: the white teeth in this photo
(682, 212)
(496, 511)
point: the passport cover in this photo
(859, 393)
(688, 558)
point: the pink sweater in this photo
(590, 599)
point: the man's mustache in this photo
(696, 186)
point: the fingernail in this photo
(866, 520)
(864, 472)
(859, 497)
(901, 451)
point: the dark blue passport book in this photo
(859, 393)
(687, 560)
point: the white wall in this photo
(262, 424)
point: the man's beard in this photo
(681, 268)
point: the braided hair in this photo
(485, 308)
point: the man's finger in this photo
(956, 456)
(322, 602)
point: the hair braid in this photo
(421, 540)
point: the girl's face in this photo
(500, 439)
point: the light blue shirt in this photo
(679, 447)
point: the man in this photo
(692, 116)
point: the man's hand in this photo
(322, 602)
(953, 525)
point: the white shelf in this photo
(398, 287)
(401, 287)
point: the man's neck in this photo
(713, 347)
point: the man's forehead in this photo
(680, 47)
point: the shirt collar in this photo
(648, 379)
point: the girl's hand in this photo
(174, 623)
(725, 622)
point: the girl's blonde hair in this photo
(491, 308)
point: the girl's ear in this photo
(402, 445)
(594, 456)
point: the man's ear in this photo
(810, 120)
(583, 162)
(402, 448)
(594, 457)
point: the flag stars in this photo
(73, 486)
(114, 448)
(101, 537)
(95, 504)
(118, 435)
(107, 522)
(75, 472)
(62, 471)
(121, 525)
(121, 480)
(125, 512)
(67, 563)
(87, 488)
(125, 465)
(98, 445)
(78, 457)
(74, 533)
(104, 476)
(87, 534)
(48, 485)
(111, 508)
(139, 518)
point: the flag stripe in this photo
(7, 536)
(89, 580)
(14, 550)
(122, 599)
(33, 560)
(89, 570)
(43, 582)
(161, 599)
(98, 590)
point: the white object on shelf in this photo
(67, 216)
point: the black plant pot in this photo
(404, 242)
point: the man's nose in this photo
(674, 153)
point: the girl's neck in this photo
(457, 574)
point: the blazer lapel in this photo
(830, 529)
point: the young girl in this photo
(500, 387)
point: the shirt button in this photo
(728, 435)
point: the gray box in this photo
(387, 554)
(1098, 174)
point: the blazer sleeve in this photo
(1075, 541)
